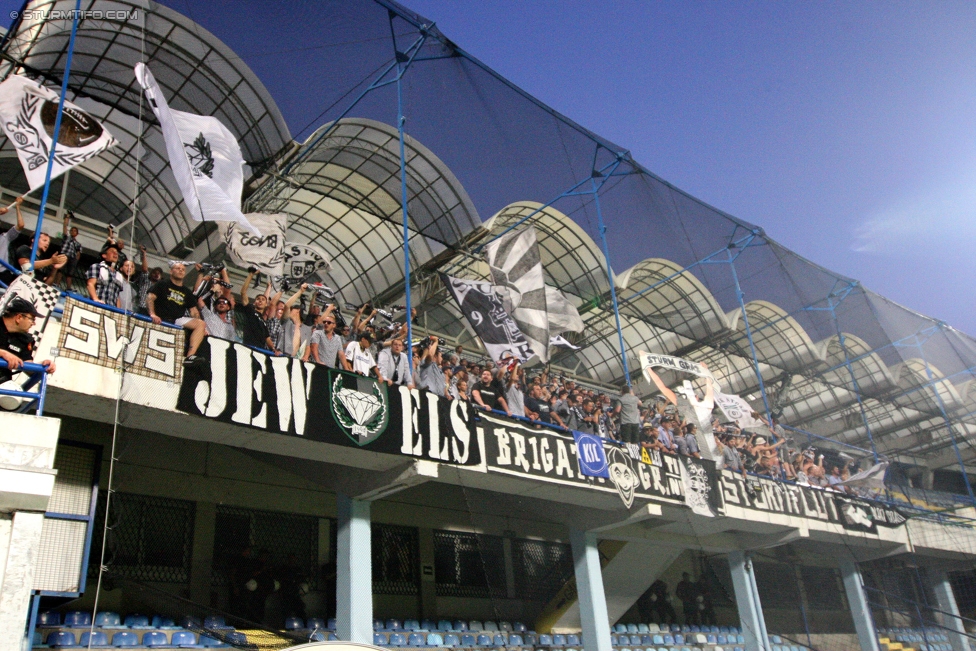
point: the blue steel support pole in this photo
(610, 279)
(752, 344)
(403, 208)
(57, 131)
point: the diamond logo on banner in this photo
(360, 407)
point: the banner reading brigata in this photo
(283, 395)
(631, 472)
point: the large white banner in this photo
(27, 114)
(266, 251)
(674, 364)
(736, 409)
(205, 158)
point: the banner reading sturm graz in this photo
(282, 395)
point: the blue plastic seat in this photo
(646, 640)
(411, 625)
(214, 621)
(505, 626)
(435, 639)
(378, 625)
(514, 639)
(317, 635)
(468, 640)
(237, 638)
(694, 629)
(61, 638)
(519, 627)
(210, 642)
(632, 628)
(499, 639)
(107, 619)
(614, 639)
(475, 625)
(77, 619)
(491, 626)
(184, 639)
(380, 639)
(96, 638)
(740, 639)
(739, 648)
(619, 628)
(720, 639)
(559, 640)
(657, 639)
(125, 638)
(49, 618)
(154, 639)
(636, 640)
(723, 629)
(546, 640)
(775, 639)
(572, 640)
(136, 621)
(668, 639)
(399, 639)
(331, 624)
(711, 639)
(483, 640)
(415, 639)
(394, 625)
(679, 638)
(451, 639)
(188, 621)
(294, 623)
(444, 625)
(315, 622)
(531, 639)
(158, 621)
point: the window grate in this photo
(396, 560)
(469, 565)
(541, 568)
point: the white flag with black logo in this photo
(28, 112)
(265, 251)
(516, 271)
(483, 309)
(205, 158)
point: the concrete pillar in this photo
(589, 586)
(751, 619)
(201, 571)
(18, 573)
(860, 611)
(946, 601)
(354, 572)
(428, 582)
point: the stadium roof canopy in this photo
(836, 358)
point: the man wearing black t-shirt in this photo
(43, 263)
(536, 407)
(16, 341)
(168, 300)
(489, 393)
(251, 317)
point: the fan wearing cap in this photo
(358, 354)
(16, 341)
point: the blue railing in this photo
(38, 374)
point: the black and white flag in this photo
(28, 111)
(42, 296)
(561, 342)
(266, 251)
(516, 271)
(491, 322)
(205, 158)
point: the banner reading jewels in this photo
(807, 502)
(634, 473)
(97, 336)
(283, 395)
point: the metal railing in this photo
(38, 374)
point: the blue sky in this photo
(846, 130)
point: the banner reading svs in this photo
(282, 395)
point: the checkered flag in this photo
(42, 296)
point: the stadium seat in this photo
(719, 639)
(468, 640)
(483, 640)
(61, 638)
(399, 639)
(499, 640)
(125, 638)
(572, 640)
(646, 640)
(738, 648)
(740, 639)
(97, 638)
(435, 639)
(559, 640)
(394, 625)
(158, 621)
(77, 619)
(184, 640)
(331, 624)
(775, 639)
(514, 639)
(49, 618)
(380, 639)
(723, 629)
(444, 625)
(632, 628)
(210, 642)
(475, 625)
(451, 640)
(679, 638)
(491, 627)
(668, 639)
(378, 625)
(642, 628)
(694, 629)
(212, 622)
(619, 628)
(505, 626)
(657, 639)
(408, 624)
(711, 639)
(459, 626)
(294, 623)
(653, 628)
(519, 627)
(546, 640)
(531, 639)
(633, 640)
(188, 621)
(136, 621)
(154, 639)
(237, 638)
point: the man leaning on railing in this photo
(16, 342)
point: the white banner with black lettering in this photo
(673, 364)
(264, 251)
